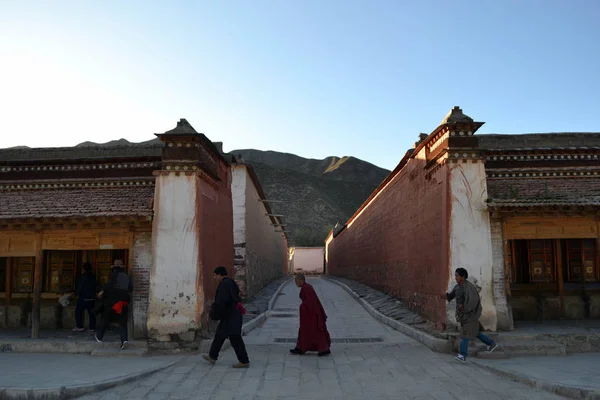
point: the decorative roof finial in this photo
(456, 116)
(183, 127)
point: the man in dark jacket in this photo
(86, 292)
(228, 310)
(115, 296)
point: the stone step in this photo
(532, 348)
(115, 352)
(497, 354)
(132, 344)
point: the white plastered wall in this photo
(470, 237)
(174, 291)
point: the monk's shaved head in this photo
(301, 278)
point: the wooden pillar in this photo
(130, 322)
(8, 290)
(37, 288)
(598, 249)
(559, 270)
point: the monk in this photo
(313, 334)
(468, 312)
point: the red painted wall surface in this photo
(399, 244)
(216, 229)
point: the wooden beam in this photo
(560, 275)
(37, 288)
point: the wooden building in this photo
(544, 202)
(60, 207)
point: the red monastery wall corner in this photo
(216, 233)
(398, 243)
(401, 239)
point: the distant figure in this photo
(86, 292)
(468, 312)
(228, 310)
(115, 296)
(313, 334)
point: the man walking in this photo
(115, 296)
(468, 312)
(86, 292)
(228, 310)
(313, 334)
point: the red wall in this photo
(399, 244)
(216, 232)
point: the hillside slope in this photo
(315, 194)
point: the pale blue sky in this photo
(314, 78)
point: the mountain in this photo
(315, 194)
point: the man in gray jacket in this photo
(468, 312)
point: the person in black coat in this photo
(86, 292)
(116, 298)
(228, 310)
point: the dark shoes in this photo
(300, 352)
(209, 359)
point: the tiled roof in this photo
(150, 149)
(76, 202)
(581, 201)
(540, 141)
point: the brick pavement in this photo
(398, 368)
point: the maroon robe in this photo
(313, 334)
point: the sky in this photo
(316, 78)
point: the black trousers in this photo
(82, 306)
(107, 314)
(236, 342)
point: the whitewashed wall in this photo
(307, 260)
(175, 297)
(470, 237)
(260, 251)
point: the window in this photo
(581, 260)
(542, 267)
(60, 268)
(535, 261)
(23, 274)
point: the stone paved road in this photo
(398, 368)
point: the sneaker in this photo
(241, 365)
(209, 359)
(491, 348)
(460, 358)
(78, 329)
(324, 353)
(97, 340)
(123, 344)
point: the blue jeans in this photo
(464, 343)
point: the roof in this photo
(77, 202)
(540, 141)
(517, 203)
(86, 152)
